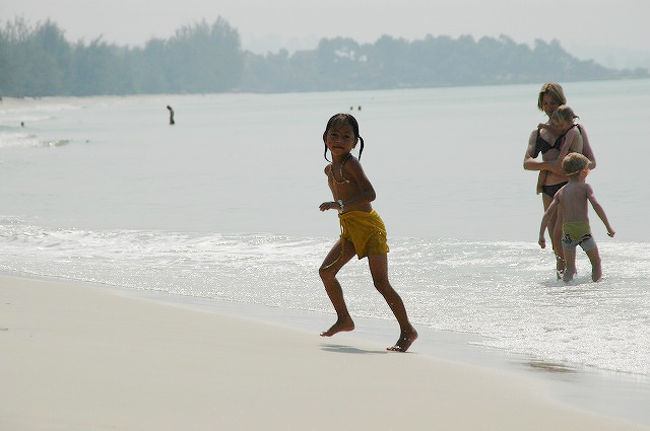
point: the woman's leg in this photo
(555, 233)
(560, 258)
(379, 270)
(339, 255)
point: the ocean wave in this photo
(28, 140)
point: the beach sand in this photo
(83, 357)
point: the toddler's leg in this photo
(594, 258)
(570, 260)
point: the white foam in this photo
(505, 292)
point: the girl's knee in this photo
(326, 273)
(382, 284)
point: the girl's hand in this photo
(542, 242)
(611, 233)
(328, 206)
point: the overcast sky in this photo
(615, 33)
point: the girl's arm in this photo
(329, 205)
(586, 149)
(599, 210)
(365, 191)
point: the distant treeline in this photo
(205, 58)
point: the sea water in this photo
(223, 206)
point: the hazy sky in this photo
(615, 33)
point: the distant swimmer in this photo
(22, 124)
(171, 115)
(359, 108)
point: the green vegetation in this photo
(203, 58)
(38, 61)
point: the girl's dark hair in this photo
(347, 118)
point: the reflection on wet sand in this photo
(551, 367)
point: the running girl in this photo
(362, 230)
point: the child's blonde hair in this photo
(554, 90)
(574, 163)
(564, 113)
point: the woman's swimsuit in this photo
(551, 189)
(542, 145)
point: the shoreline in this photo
(603, 392)
(83, 356)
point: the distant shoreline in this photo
(208, 58)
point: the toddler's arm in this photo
(573, 143)
(599, 210)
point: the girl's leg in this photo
(339, 255)
(594, 258)
(379, 270)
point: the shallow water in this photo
(223, 206)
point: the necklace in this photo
(343, 179)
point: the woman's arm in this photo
(530, 163)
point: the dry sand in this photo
(81, 357)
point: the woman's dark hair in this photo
(347, 118)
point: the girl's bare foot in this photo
(406, 338)
(339, 326)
